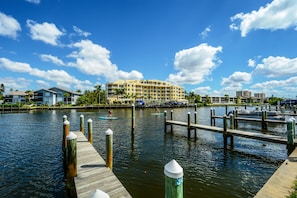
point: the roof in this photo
(47, 90)
(17, 93)
(65, 90)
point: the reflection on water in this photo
(30, 153)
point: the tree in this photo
(29, 95)
(2, 90)
(119, 92)
(97, 91)
(227, 98)
(66, 95)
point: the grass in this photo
(294, 193)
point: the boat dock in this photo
(93, 174)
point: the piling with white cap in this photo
(109, 143)
(90, 131)
(290, 135)
(99, 194)
(173, 180)
(82, 123)
(71, 161)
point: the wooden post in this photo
(82, 123)
(264, 122)
(133, 119)
(173, 180)
(225, 133)
(235, 120)
(195, 121)
(211, 112)
(109, 135)
(90, 131)
(290, 135)
(189, 125)
(66, 126)
(226, 109)
(165, 120)
(171, 117)
(71, 162)
(231, 116)
(99, 194)
(195, 109)
(214, 114)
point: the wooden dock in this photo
(245, 134)
(93, 174)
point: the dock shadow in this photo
(93, 166)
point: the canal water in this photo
(31, 154)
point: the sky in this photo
(210, 47)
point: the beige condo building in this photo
(150, 91)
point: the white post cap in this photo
(81, 116)
(99, 194)
(66, 122)
(64, 116)
(173, 170)
(90, 120)
(71, 136)
(108, 132)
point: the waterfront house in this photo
(15, 97)
(55, 95)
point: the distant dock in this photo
(93, 174)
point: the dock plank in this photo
(92, 173)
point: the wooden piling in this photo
(64, 118)
(214, 114)
(165, 120)
(171, 117)
(225, 133)
(235, 120)
(90, 131)
(196, 122)
(71, 162)
(189, 125)
(82, 124)
(109, 151)
(66, 126)
(226, 109)
(231, 116)
(264, 122)
(290, 136)
(211, 112)
(173, 180)
(132, 119)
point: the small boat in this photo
(156, 114)
(274, 115)
(107, 118)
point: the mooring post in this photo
(196, 122)
(133, 118)
(211, 116)
(195, 107)
(189, 125)
(290, 135)
(66, 126)
(90, 130)
(214, 119)
(235, 119)
(264, 122)
(82, 124)
(109, 135)
(171, 117)
(226, 109)
(99, 194)
(231, 116)
(71, 162)
(165, 120)
(225, 133)
(173, 180)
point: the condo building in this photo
(128, 91)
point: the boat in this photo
(158, 113)
(273, 115)
(107, 118)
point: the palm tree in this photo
(97, 91)
(2, 90)
(66, 95)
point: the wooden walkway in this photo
(281, 183)
(92, 173)
(245, 134)
(254, 119)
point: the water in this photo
(31, 154)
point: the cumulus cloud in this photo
(276, 83)
(93, 59)
(46, 32)
(9, 26)
(195, 64)
(202, 90)
(51, 58)
(237, 79)
(15, 83)
(81, 32)
(277, 67)
(60, 77)
(251, 63)
(279, 14)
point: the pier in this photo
(93, 174)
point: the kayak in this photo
(161, 113)
(107, 118)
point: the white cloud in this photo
(20, 84)
(276, 83)
(34, 1)
(279, 14)
(43, 84)
(9, 26)
(93, 59)
(195, 64)
(237, 79)
(46, 32)
(205, 32)
(81, 32)
(251, 63)
(277, 67)
(60, 77)
(51, 58)
(202, 90)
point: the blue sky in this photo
(211, 47)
